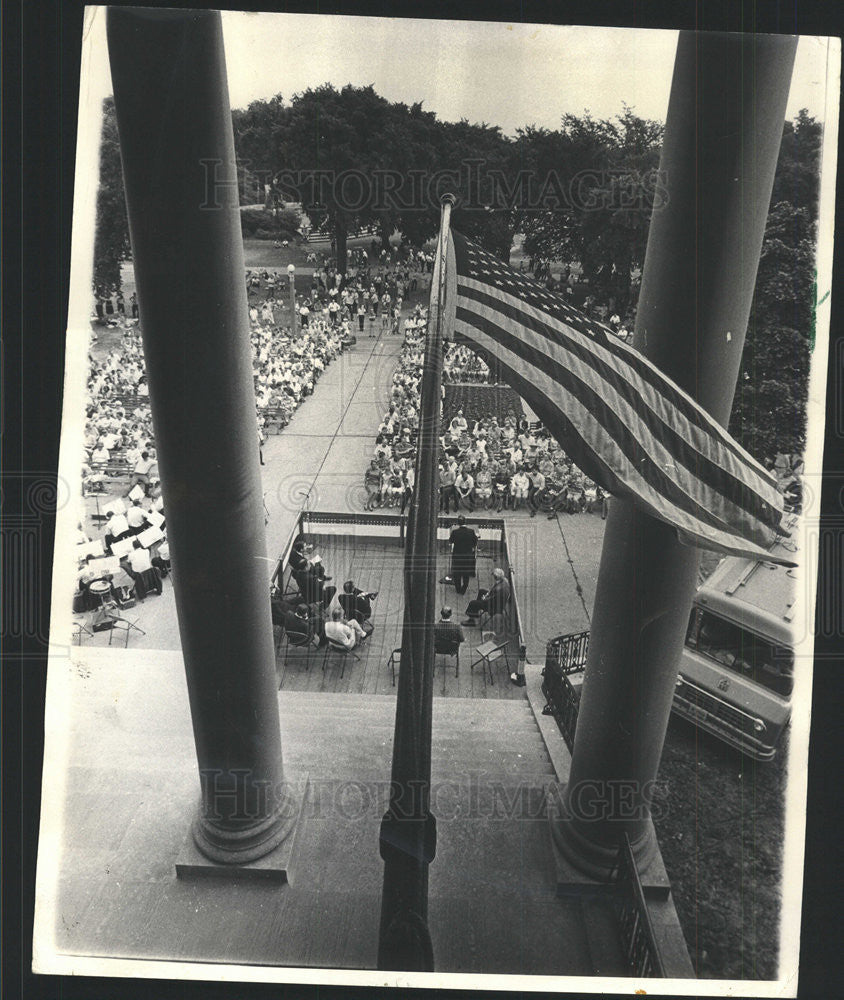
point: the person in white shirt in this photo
(139, 566)
(140, 474)
(346, 634)
(136, 517)
(100, 456)
(458, 425)
(465, 486)
(162, 560)
(139, 559)
(117, 528)
(519, 487)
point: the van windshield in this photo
(742, 652)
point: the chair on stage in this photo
(488, 652)
(150, 580)
(344, 652)
(447, 647)
(79, 629)
(119, 624)
(301, 640)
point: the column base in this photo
(585, 866)
(262, 853)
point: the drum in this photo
(99, 588)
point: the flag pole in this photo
(408, 830)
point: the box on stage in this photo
(107, 565)
(94, 548)
(123, 547)
(150, 536)
(115, 507)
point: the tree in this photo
(354, 159)
(769, 411)
(258, 134)
(337, 146)
(111, 239)
(596, 185)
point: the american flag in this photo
(623, 422)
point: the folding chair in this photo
(448, 649)
(126, 626)
(302, 641)
(342, 651)
(79, 627)
(488, 652)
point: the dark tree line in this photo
(583, 192)
(111, 238)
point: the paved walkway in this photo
(319, 460)
(321, 455)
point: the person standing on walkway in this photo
(408, 480)
(448, 475)
(464, 543)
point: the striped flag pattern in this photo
(623, 422)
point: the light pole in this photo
(291, 277)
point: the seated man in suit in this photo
(493, 601)
(357, 605)
(346, 634)
(309, 575)
(304, 621)
(447, 633)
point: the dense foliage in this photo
(111, 239)
(769, 413)
(584, 192)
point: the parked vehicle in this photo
(736, 671)
(737, 668)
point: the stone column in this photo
(722, 138)
(177, 147)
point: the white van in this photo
(736, 670)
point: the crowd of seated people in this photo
(130, 561)
(461, 364)
(286, 368)
(118, 435)
(485, 463)
(509, 465)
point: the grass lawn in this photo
(720, 825)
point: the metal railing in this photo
(635, 926)
(567, 653)
(564, 655)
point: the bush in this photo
(261, 224)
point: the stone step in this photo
(368, 760)
(440, 703)
(515, 736)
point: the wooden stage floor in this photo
(377, 565)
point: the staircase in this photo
(132, 792)
(493, 906)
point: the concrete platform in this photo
(131, 788)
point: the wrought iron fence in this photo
(567, 653)
(564, 655)
(635, 925)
